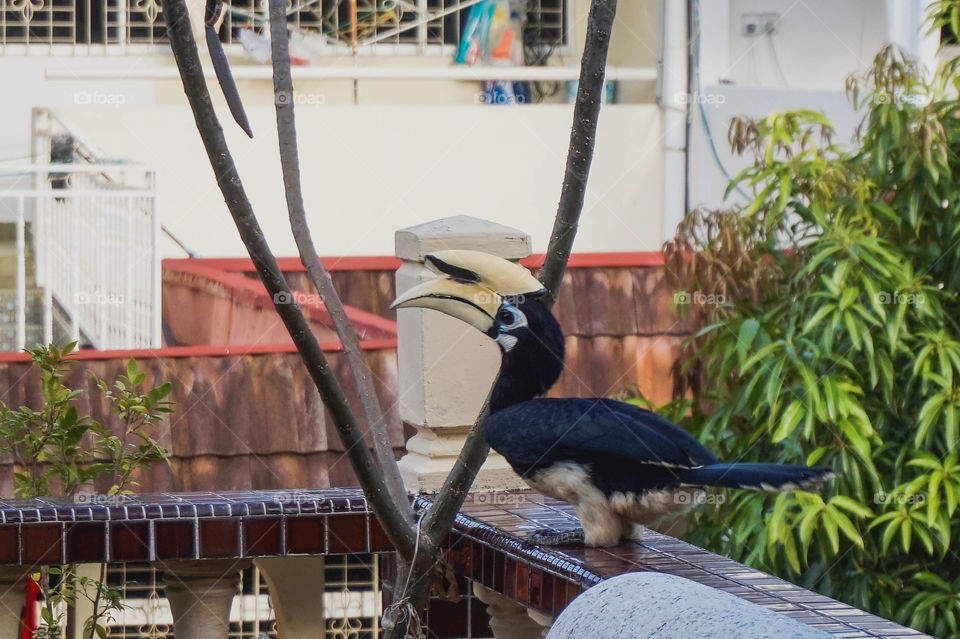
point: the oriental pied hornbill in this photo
(615, 463)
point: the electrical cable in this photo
(695, 17)
(776, 60)
(537, 49)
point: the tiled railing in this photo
(485, 547)
(184, 526)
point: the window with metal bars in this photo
(351, 601)
(411, 26)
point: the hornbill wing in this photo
(540, 432)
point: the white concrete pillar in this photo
(446, 368)
(296, 591)
(83, 606)
(675, 103)
(510, 620)
(201, 594)
(13, 582)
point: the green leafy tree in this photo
(58, 452)
(834, 340)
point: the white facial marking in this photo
(515, 320)
(507, 342)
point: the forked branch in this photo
(391, 514)
(290, 165)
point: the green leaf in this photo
(788, 421)
(851, 506)
(890, 532)
(831, 527)
(811, 516)
(818, 317)
(790, 550)
(847, 527)
(927, 417)
(906, 532)
(748, 331)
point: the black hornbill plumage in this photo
(617, 464)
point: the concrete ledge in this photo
(653, 605)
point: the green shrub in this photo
(836, 342)
(59, 452)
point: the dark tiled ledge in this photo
(484, 546)
(170, 526)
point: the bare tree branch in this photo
(582, 137)
(418, 547)
(391, 514)
(290, 164)
(585, 114)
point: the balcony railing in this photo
(420, 27)
(201, 541)
(94, 234)
(85, 260)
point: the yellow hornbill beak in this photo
(470, 303)
(470, 286)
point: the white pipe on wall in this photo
(674, 99)
(907, 29)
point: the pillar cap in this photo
(461, 232)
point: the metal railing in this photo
(351, 601)
(101, 27)
(94, 230)
(84, 252)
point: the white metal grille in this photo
(94, 231)
(352, 598)
(412, 26)
(352, 601)
(95, 243)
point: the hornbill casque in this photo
(617, 464)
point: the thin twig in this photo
(582, 137)
(391, 514)
(290, 164)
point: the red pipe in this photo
(28, 623)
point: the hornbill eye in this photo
(505, 316)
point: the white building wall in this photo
(413, 151)
(817, 42)
(370, 170)
(816, 45)
(407, 152)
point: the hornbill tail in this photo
(766, 477)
